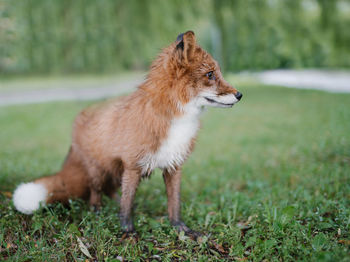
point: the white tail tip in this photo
(27, 197)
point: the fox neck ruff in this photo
(177, 144)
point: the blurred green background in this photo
(268, 181)
(84, 36)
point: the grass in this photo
(268, 180)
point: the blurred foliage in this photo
(63, 36)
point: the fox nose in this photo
(238, 95)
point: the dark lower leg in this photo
(172, 181)
(130, 181)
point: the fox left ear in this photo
(187, 43)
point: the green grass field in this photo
(269, 180)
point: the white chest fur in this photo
(175, 148)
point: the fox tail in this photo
(70, 182)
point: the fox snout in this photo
(238, 95)
(224, 88)
(229, 89)
(223, 96)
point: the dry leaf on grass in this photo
(83, 248)
(7, 194)
(11, 246)
(246, 224)
(218, 247)
(344, 241)
(130, 237)
(240, 259)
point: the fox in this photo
(117, 143)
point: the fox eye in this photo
(210, 75)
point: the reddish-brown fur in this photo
(109, 140)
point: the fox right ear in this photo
(180, 41)
(186, 42)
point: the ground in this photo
(269, 179)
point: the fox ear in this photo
(186, 42)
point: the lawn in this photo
(269, 179)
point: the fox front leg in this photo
(130, 182)
(172, 180)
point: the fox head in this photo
(192, 75)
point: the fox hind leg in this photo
(116, 177)
(102, 181)
(111, 186)
(97, 179)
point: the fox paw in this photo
(127, 225)
(181, 226)
(96, 209)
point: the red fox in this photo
(117, 143)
